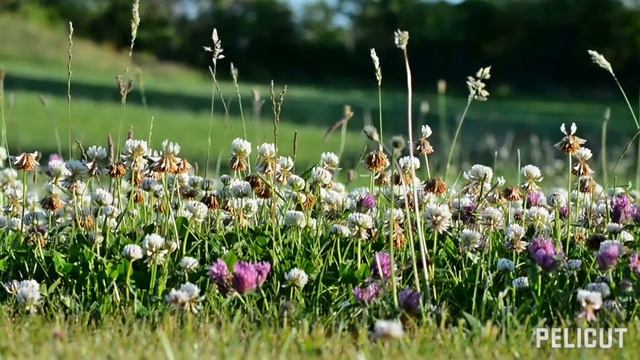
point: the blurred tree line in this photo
(534, 45)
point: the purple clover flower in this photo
(621, 209)
(219, 274)
(635, 213)
(608, 255)
(367, 202)
(634, 263)
(535, 198)
(544, 253)
(368, 293)
(410, 300)
(381, 266)
(245, 277)
(262, 268)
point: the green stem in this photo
(455, 137)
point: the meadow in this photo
(366, 245)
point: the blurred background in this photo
(542, 75)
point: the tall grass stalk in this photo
(69, 59)
(603, 147)
(5, 143)
(402, 39)
(455, 137)
(234, 75)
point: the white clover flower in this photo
(340, 230)
(407, 163)
(479, 173)
(600, 287)
(134, 152)
(614, 228)
(625, 236)
(132, 252)
(186, 298)
(394, 215)
(471, 239)
(583, 154)
(297, 277)
(284, 163)
(188, 264)
(57, 170)
(321, 176)
(330, 161)
(388, 330)
(426, 131)
(102, 197)
(590, 301)
(332, 199)
(514, 232)
(492, 217)
(296, 183)
(96, 152)
(600, 60)
(240, 147)
(295, 218)
(153, 243)
(531, 173)
(520, 283)
(505, 265)
(28, 294)
(360, 224)
(267, 150)
(437, 217)
(537, 216)
(557, 199)
(240, 188)
(170, 148)
(76, 167)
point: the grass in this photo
(232, 339)
(470, 307)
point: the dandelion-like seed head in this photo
(600, 60)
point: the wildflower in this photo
(505, 265)
(590, 302)
(27, 161)
(600, 60)
(570, 143)
(57, 170)
(330, 161)
(368, 293)
(132, 252)
(295, 218)
(96, 153)
(198, 211)
(520, 283)
(188, 264)
(479, 173)
(634, 263)
(297, 277)
(284, 167)
(438, 217)
(535, 198)
(376, 65)
(491, 218)
(321, 176)
(220, 275)
(609, 253)
(360, 225)
(600, 287)
(573, 265)
(186, 298)
(532, 176)
(423, 145)
(557, 200)
(135, 153)
(410, 300)
(514, 235)
(543, 253)
(340, 230)
(381, 266)
(408, 163)
(388, 330)
(621, 208)
(102, 197)
(28, 294)
(367, 202)
(512, 194)
(435, 186)
(401, 39)
(240, 151)
(471, 240)
(377, 161)
(154, 247)
(537, 216)
(582, 168)
(614, 228)
(477, 86)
